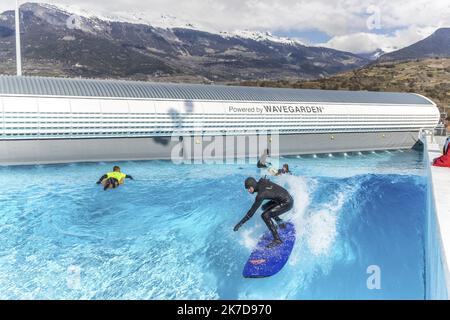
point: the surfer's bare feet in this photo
(274, 243)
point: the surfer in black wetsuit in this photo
(280, 201)
(262, 161)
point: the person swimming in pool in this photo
(280, 201)
(284, 170)
(274, 172)
(113, 179)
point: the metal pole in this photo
(18, 51)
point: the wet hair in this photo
(286, 166)
(250, 182)
(116, 168)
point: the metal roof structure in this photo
(42, 86)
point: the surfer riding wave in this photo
(280, 201)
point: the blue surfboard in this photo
(265, 262)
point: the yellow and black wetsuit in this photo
(113, 179)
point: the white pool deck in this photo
(440, 180)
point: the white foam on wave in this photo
(249, 238)
(321, 232)
(321, 226)
(317, 246)
(300, 189)
(317, 229)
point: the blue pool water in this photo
(169, 234)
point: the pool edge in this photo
(437, 241)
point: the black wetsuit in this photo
(280, 201)
(280, 172)
(261, 165)
(262, 161)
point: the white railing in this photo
(424, 133)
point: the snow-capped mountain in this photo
(168, 21)
(373, 56)
(165, 21)
(262, 36)
(68, 41)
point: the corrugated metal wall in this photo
(12, 85)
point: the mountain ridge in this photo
(55, 45)
(437, 45)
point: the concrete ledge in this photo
(89, 149)
(439, 180)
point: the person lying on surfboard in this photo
(113, 179)
(280, 201)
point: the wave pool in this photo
(169, 234)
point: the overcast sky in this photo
(351, 25)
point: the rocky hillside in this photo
(429, 77)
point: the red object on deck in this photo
(442, 161)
